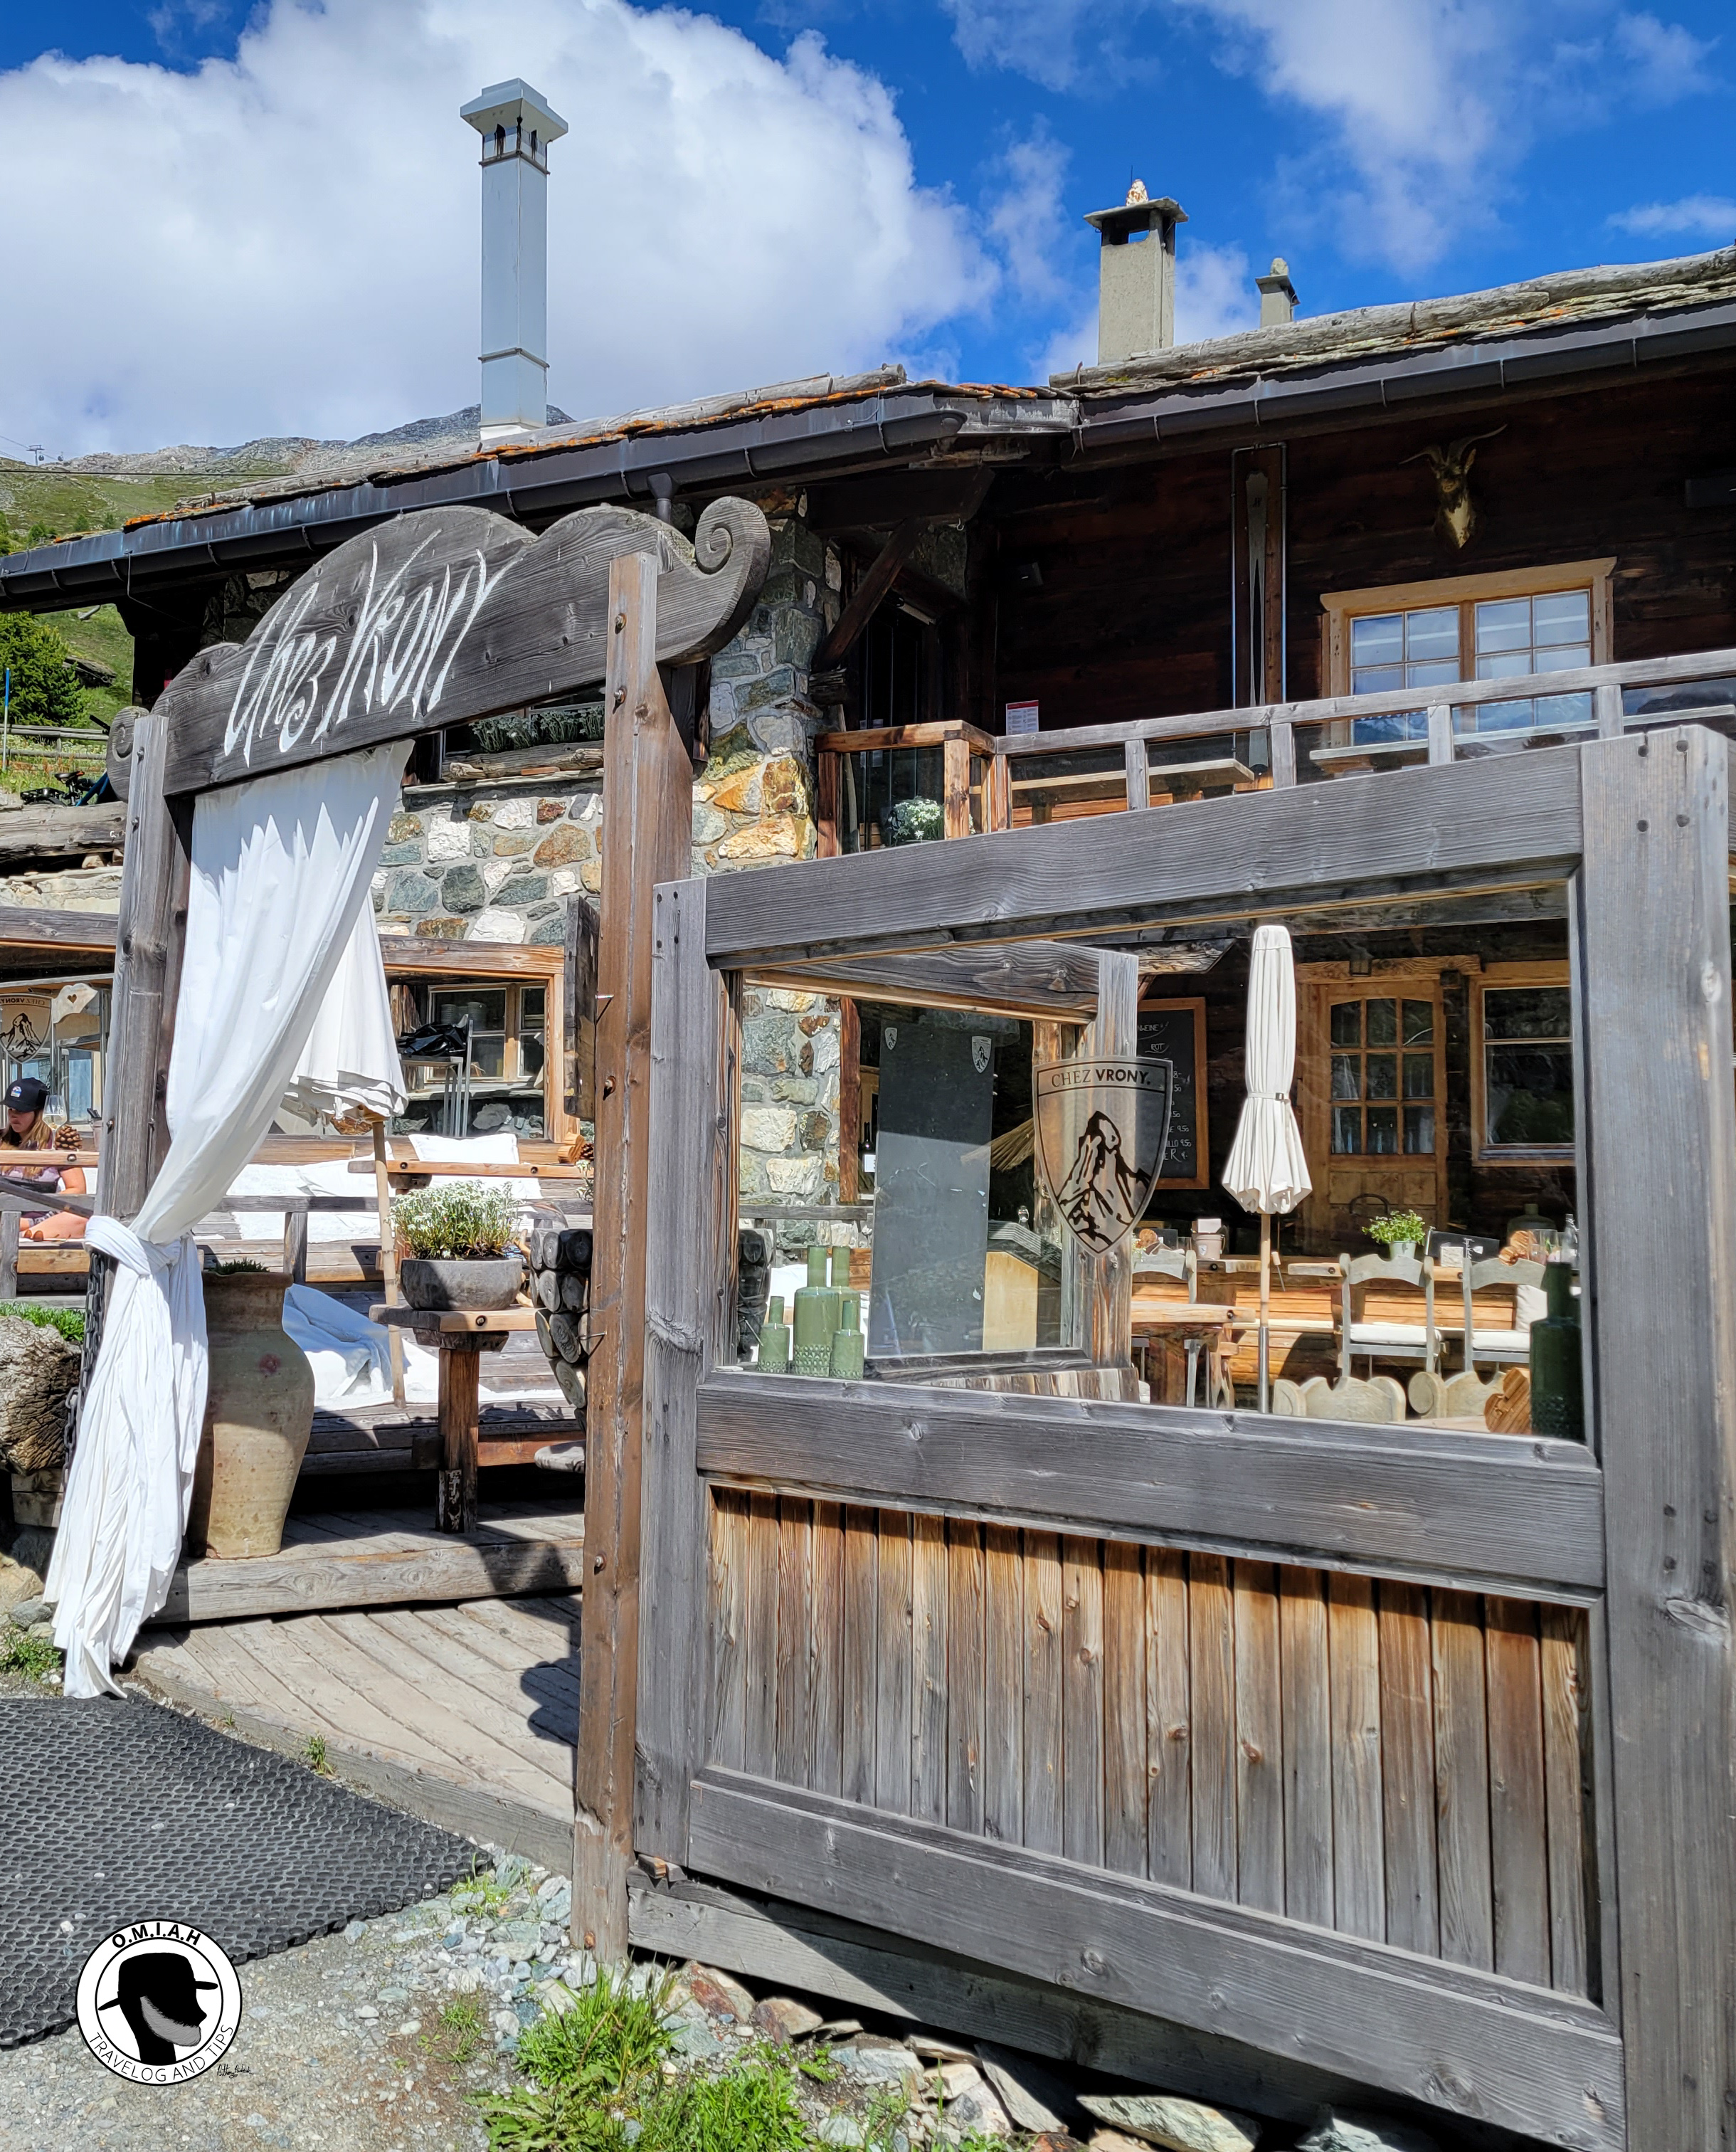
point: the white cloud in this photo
(1699, 216)
(1423, 108)
(287, 243)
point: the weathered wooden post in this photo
(647, 838)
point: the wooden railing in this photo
(980, 783)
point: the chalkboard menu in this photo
(1175, 1032)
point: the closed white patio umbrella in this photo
(1267, 1171)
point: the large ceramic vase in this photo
(258, 1415)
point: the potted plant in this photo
(916, 821)
(258, 1415)
(1399, 1233)
(457, 1244)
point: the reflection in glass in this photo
(1419, 1131)
(1383, 1075)
(1347, 1023)
(1419, 1075)
(1383, 1131)
(1383, 1023)
(1346, 1129)
(1344, 1084)
(1419, 1023)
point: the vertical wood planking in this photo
(965, 1674)
(1003, 1685)
(759, 1745)
(1518, 1832)
(690, 1305)
(1081, 1702)
(1169, 1728)
(826, 1651)
(1407, 1768)
(1652, 961)
(928, 1699)
(1043, 1718)
(893, 1705)
(1259, 1739)
(795, 1601)
(1462, 1780)
(1212, 1662)
(1306, 1686)
(861, 1652)
(1567, 1795)
(1124, 1709)
(729, 1627)
(1359, 1863)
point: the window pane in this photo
(1562, 616)
(1504, 624)
(1383, 1023)
(1346, 1129)
(486, 1010)
(1433, 634)
(1561, 657)
(1419, 1131)
(531, 1006)
(1419, 1075)
(1419, 1023)
(530, 1055)
(1531, 1095)
(1378, 639)
(1527, 1012)
(1375, 679)
(1345, 1076)
(1564, 713)
(1394, 725)
(1507, 666)
(1383, 1131)
(1432, 675)
(487, 1056)
(1383, 1075)
(1347, 1023)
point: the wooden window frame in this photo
(443, 966)
(1338, 608)
(1543, 971)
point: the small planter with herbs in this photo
(458, 1243)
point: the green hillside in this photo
(100, 637)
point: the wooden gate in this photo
(1393, 1754)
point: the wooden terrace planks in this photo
(1394, 1762)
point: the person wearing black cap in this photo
(26, 1129)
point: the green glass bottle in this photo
(1557, 1388)
(816, 1319)
(774, 1339)
(848, 1343)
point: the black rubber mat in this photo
(114, 1811)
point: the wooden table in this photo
(460, 1337)
(1191, 1324)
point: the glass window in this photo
(486, 1008)
(1548, 633)
(1527, 1069)
(1371, 1127)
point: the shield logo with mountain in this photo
(1101, 1129)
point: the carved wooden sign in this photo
(439, 617)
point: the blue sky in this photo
(797, 184)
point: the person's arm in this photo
(73, 1180)
(63, 1225)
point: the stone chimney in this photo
(1137, 275)
(1278, 295)
(517, 125)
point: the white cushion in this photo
(1388, 1333)
(1500, 1340)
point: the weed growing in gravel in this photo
(882, 2125)
(313, 1754)
(481, 1891)
(604, 2043)
(466, 2026)
(22, 1654)
(753, 2110)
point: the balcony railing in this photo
(903, 784)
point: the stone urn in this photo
(258, 1415)
(482, 1284)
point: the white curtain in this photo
(1267, 1170)
(350, 1061)
(281, 870)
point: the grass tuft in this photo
(463, 2032)
(22, 1654)
(313, 1754)
(69, 1322)
(604, 2044)
(481, 1891)
(752, 2109)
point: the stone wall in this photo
(489, 862)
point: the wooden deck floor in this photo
(332, 1560)
(464, 1714)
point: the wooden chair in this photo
(1381, 1397)
(1183, 1263)
(1506, 1345)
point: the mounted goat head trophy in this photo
(1455, 517)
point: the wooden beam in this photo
(9, 1222)
(31, 834)
(690, 1322)
(1502, 1510)
(1254, 853)
(648, 811)
(1495, 2049)
(1038, 980)
(86, 932)
(877, 578)
(1660, 1201)
(405, 954)
(506, 620)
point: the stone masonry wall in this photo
(488, 862)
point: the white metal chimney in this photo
(517, 125)
(1137, 275)
(1278, 295)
